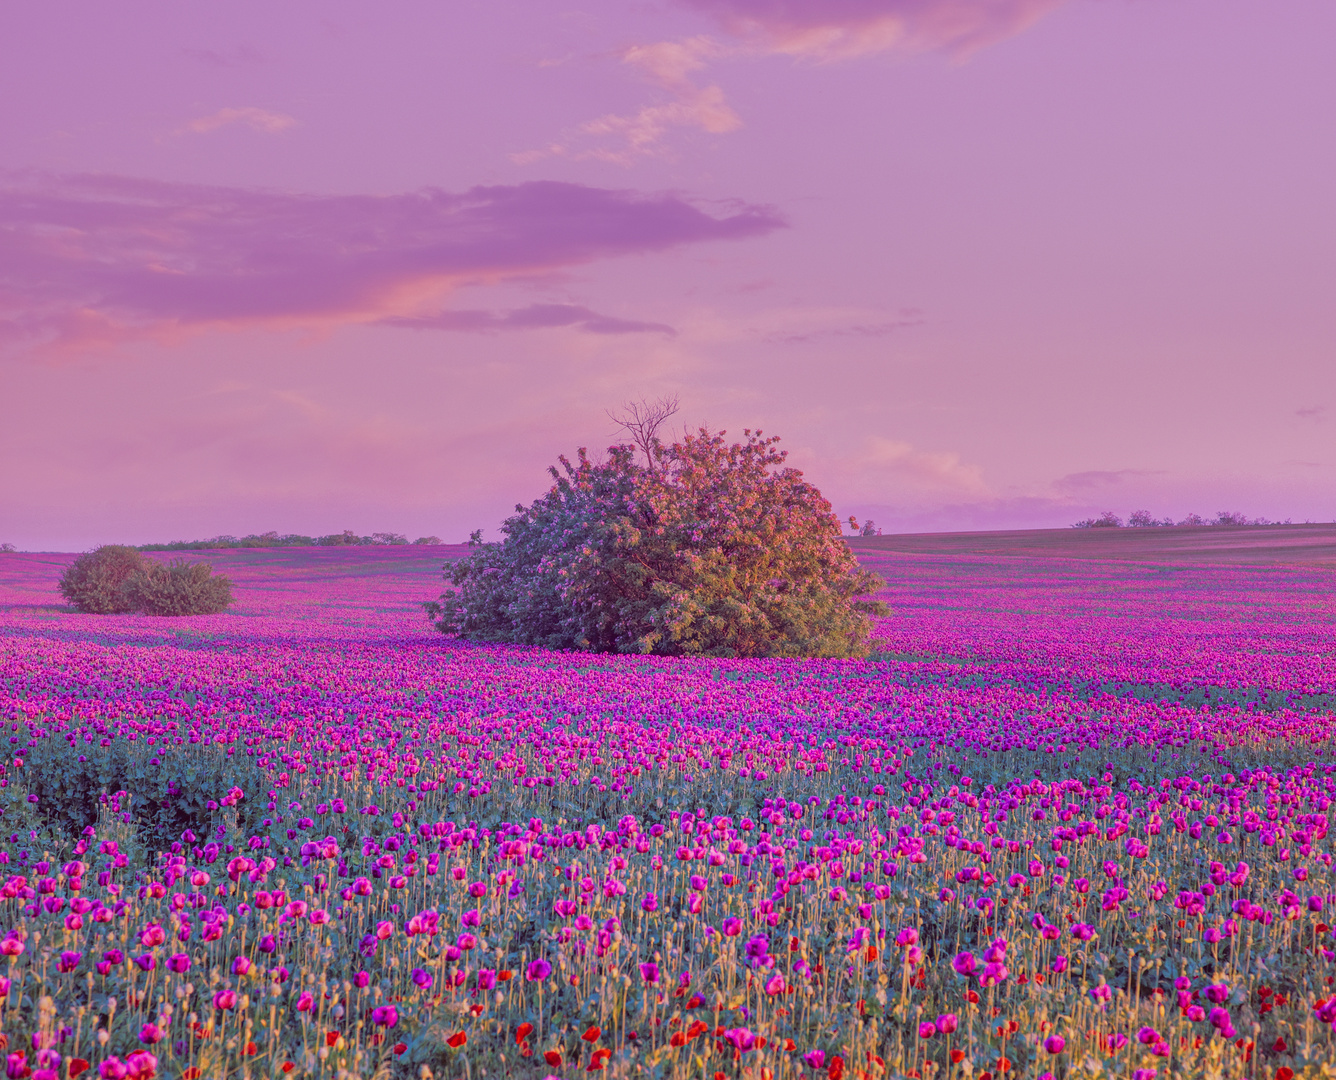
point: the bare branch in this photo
(642, 419)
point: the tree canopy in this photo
(708, 549)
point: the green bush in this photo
(709, 549)
(169, 792)
(94, 582)
(115, 579)
(177, 588)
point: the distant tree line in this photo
(1143, 519)
(347, 538)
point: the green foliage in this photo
(94, 582)
(170, 793)
(177, 588)
(115, 579)
(711, 549)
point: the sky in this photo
(982, 264)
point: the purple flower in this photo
(1055, 1044)
(965, 963)
(649, 972)
(537, 970)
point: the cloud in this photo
(1097, 479)
(822, 30)
(908, 318)
(256, 119)
(938, 470)
(240, 56)
(836, 29)
(888, 469)
(1315, 413)
(668, 65)
(95, 260)
(533, 317)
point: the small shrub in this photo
(94, 582)
(177, 588)
(7, 548)
(1106, 520)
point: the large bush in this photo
(114, 579)
(708, 549)
(94, 582)
(177, 588)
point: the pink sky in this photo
(981, 263)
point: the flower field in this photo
(1070, 819)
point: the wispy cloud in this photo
(239, 56)
(1084, 483)
(884, 469)
(820, 30)
(533, 317)
(939, 470)
(1315, 413)
(257, 119)
(871, 328)
(837, 29)
(668, 65)
(89, 261)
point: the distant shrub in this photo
(1233, 517)
(704, 551)
(177, 588)
(114, 580)
(1106, 520)
(7, 547)
(94, 582)
(427, 540)
(1142, 519)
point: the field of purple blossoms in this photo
(1070, 820)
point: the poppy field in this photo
(1070, 819)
